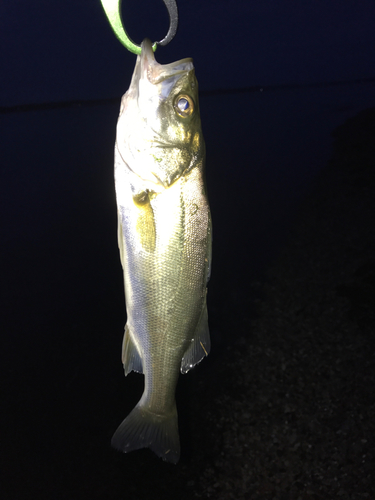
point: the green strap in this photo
(112, 8)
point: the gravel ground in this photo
(297, 419)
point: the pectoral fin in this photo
(131, 358)
(200, 346)
(145, 225)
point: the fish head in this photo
(159, 135)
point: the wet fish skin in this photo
(164, 235)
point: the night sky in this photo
(65, 50)
(276, 79)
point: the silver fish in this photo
(164, 237)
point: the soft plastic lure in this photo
(112, 9)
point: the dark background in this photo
(276, 79)
(66, 50)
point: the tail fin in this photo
(143, 429)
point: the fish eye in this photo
(184, 105)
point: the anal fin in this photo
(131, 358)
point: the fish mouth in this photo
(157, 73)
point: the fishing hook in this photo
(112, 8)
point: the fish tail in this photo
(144, 429)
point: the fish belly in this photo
(164, 243)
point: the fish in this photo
(165, 242)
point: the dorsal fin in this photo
(200, 345)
